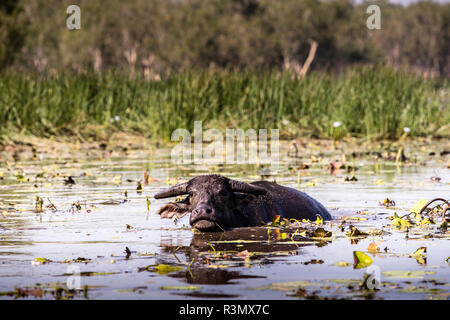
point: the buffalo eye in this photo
(190, 196)
(223, 193)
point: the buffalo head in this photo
(214, 201)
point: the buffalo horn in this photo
(174, 191)
(239, 186)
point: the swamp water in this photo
(123, 250)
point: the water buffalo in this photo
(216, 202)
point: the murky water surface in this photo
(87, 227)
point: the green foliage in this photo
(375, 102)
(160, 37)
(12, 31)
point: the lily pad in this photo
(354, 232)
(418, 206)
(361, 260)
(342, 264)
(420, 251)
(404, 274)
(165, 268)
(397, 221)
(180, 288)
(320, 233)
(286, 286)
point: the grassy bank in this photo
(366, 101)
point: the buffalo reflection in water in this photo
(264, 245)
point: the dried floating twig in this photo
(445, 208)
(426, 206)
(431, 201)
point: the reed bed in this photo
(366, 101)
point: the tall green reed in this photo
(367, 101)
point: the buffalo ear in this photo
(169, 210)
(174, 191)
(239, 186)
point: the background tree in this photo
(154, 38)
(12, 31)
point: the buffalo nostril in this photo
(202, 209)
